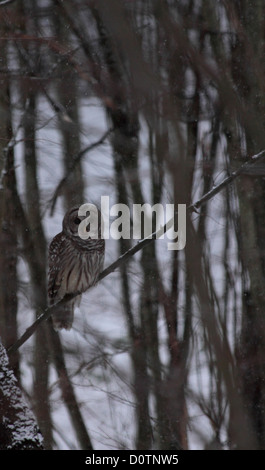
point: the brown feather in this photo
(74, 266)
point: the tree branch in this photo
(139, 246)
(3, 3)
(18, 429)
(75, 160)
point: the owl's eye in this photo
(77, 221)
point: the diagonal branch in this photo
(6, 2)
(75, 160)
(139, 246)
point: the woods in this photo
(146, 102)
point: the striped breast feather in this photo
(72, 269)
(83, 271)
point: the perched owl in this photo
(74, 266)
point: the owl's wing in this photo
(57, 248)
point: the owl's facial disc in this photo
(72, 222)
(77, 220)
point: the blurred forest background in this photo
(144, 101)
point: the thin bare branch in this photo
(242, 169)
(3, 3)
(75, 160)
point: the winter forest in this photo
(143, 101)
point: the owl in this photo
(74, 266)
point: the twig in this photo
(59, 109)
(75, 160)
(139, 246)
(242, 169)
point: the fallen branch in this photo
(139, 246)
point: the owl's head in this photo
(72, 221)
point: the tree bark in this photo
(18, 428)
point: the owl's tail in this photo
(63, 316)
